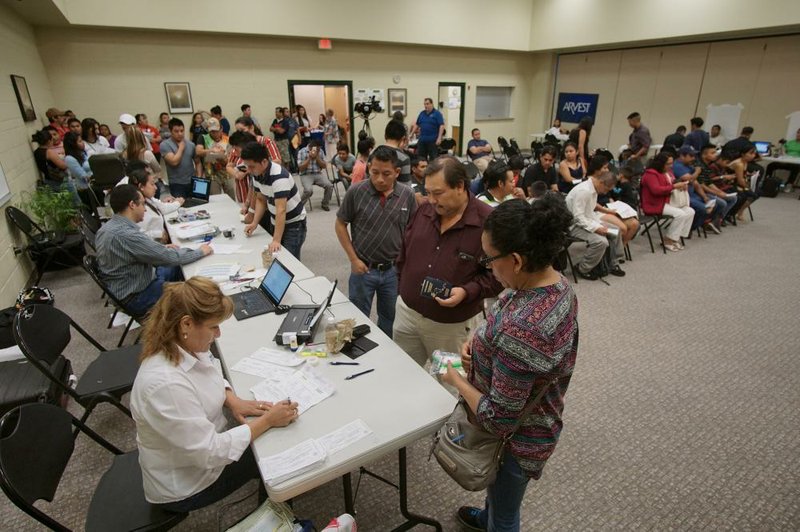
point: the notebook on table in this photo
(201, 189)
(303, 320)
(267, 296)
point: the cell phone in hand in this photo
(433, 287)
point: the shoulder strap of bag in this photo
(529, 407)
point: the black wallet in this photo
(358, 347)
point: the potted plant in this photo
(52, 210)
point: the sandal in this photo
(671, 247)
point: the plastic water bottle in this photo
(331, 335)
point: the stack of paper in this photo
(276, 356)
(218, 272)
(194, 229)
(624, 210)
(259, 368)
(309, 454)
(305, 387)
(292, 462)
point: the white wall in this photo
(669, 85)
(565, 24)
(468, 23)
(19, 56)
(102, 73)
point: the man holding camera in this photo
(442, 282)
(311, 165)
(430, 126)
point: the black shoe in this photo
(589, 276)
(616, 271)
(325, 208)
(468, 517)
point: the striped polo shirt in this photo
(276, 182)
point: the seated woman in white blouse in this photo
(189, 457)
(154, 223)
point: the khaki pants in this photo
(483, 163)
(419, 336)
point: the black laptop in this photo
(267, 296)
(201, 189)
(303, 320)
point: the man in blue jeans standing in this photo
(430, 126)
(277, 192)
(133, 265)
(378, 211)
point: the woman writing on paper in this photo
(189, 458)
(529, 337)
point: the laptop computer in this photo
(267, 296)
(201, 189)
(762, 147)
(303, 320)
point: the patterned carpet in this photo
(683, 413)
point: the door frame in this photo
(330, 83)
(463, 87)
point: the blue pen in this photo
(457, 438)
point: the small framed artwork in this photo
(23, 98)
(397, 101)
(179, 97)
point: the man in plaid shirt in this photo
(312, 166)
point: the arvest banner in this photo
(573, 106)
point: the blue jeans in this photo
(363, 287)
(699, 207)
(427, 150)
(725, 204)
(504, 497)
(141, 303)
(293, 237)
(180, 191)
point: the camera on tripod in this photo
(373, 105)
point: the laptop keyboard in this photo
(255, 302)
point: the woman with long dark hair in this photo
(51, 165)
(580, 137)
(78, 167)
(95, 143)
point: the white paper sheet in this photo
(276, 356)
(218, 272)
(259, 368)
(292, 462)
(624, 210)
(187, 233)
(219, 248)
(345, 436)
(305, 387)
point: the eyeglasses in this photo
(486, 262)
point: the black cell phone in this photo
(433, 287)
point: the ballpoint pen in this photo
(354, 375)
(344, 363)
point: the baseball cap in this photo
(213, 124)
(687, 150)
(127, 119)
(53, 112)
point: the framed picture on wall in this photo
(23, 98)
(397, 101)
(179, 97)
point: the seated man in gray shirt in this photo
(133, 265)
(179, 155)
(344, 162)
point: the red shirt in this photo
(154, 132)
(656, 189)
(452, 256)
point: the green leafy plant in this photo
(52, 210)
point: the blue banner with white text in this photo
(573, 106)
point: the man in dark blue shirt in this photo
(430, 126)
(697, 137)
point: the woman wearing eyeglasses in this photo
(529, 337)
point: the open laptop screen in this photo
(200, 188)
(762, 147)
(325, 304)
(276, 282)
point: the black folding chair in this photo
(659, 221)
(45, 247)
(36, 445)
(333, 176)
(92, 268)
(446, 145)
(505, 147)
(43, 332)
(564, 258)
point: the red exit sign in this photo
(325, 44)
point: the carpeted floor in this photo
(683, 412)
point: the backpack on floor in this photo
(770, 187)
